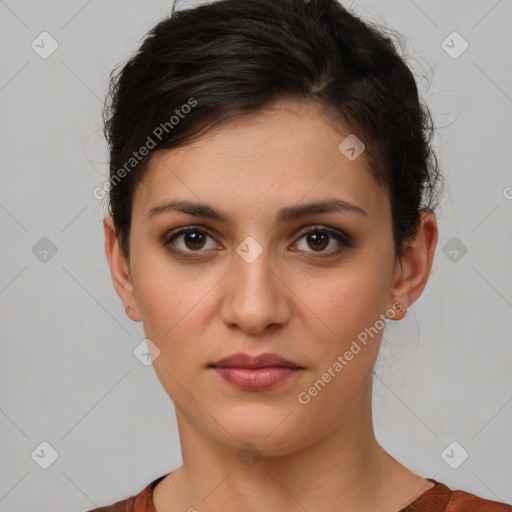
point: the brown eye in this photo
(190, 239)
(194, 239)
(318, 239)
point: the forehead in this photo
(284, 154)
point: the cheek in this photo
(175, 302)
(174, 309)
(345, 301)
(162, 288)
(346, 351)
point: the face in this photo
(305, 285)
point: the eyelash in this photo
(342, 238)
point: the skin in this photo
(297, 299)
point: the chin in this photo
(271, 433)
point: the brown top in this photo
(437, 499)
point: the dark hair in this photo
(232, 57)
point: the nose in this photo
(256, 298)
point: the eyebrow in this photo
(286, 214)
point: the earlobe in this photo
(413, 269)
(120, 270)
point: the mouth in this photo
(261, 373)
(257, 379)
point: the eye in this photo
(320, 237)
(192, 238)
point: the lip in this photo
(257, 379)
(256, 373)
(266, 360)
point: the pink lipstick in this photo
(264, 372)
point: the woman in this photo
(272, 201)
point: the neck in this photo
(346, 469)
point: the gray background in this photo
(68, 373)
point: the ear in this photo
(413, 268)
(120, 270)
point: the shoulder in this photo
(141, 502)
(441, 498)
(461, 501)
